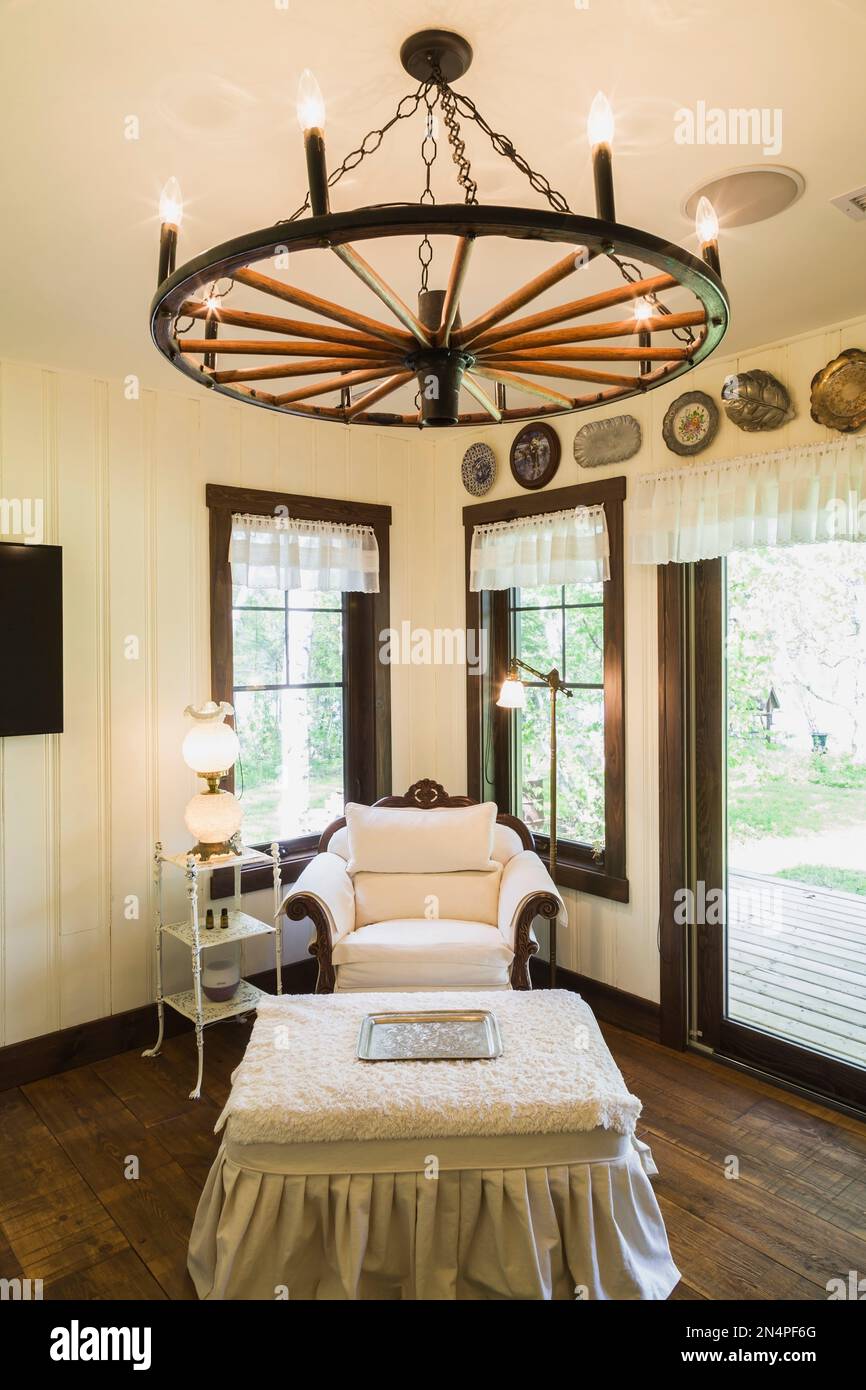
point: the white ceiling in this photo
(213, 82)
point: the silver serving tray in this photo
(429, 1035)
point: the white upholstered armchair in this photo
(424, 891)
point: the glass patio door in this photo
(780, 678)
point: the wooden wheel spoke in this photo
(531, 290)
(577, 308)
(471, 385)
(326, 308)
(336, 383)
(591, 354)
(451, 303)
(365, 272)
(270, 323)
(522, 383)
(588, 332)
(377, 394)
(277, 371)
(281, 347)
(517, 364)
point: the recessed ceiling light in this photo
(745, 196)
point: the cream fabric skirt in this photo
(565, 1216)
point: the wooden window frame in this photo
(488, 612)
(367, 711)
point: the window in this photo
(288, 695)
(561, 626)
(301, 668)
(578, 628)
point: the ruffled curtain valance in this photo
(803, 494)
(278, 552)
(568, 547)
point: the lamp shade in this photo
(210, 745)
(512, 695)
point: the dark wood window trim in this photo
(488, 760)
(368, 681)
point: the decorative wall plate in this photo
(756, 401)
(607, 441)
(535, 455)
(839, 392)
(690, 423)
(478, 469)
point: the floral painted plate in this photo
(690, 424)
(478, 469)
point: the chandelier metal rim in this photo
(472, 221)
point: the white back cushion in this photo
(506, 843)
(471, 896)
(397, 840)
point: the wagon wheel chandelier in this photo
(356, 361)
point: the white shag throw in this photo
(301, 1081)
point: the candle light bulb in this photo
(311, 103)
(599, 124)
(212, 303)
(706, 222)
(171, 203)
(643, 310)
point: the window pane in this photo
(540, 596)
(538, 637)
(590, 592)
(315, 647)
(584, 645)
(292, 761)
(257, 598)
(580, 781)
(259, 646)
(315, 598)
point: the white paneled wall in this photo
(122, 482)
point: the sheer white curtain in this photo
(568, 547)
(808, 493)
(278, 552)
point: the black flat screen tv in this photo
(31, 639)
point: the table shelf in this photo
(245, 998)
(241, 926)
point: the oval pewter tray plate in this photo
(607, 441)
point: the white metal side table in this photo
(191, 1002)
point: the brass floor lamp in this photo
(513, 696)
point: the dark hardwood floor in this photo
(794, 1218)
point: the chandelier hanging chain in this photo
(632, 273)
(406, 107)
(448, 102)
(503, 146)
(429, 151)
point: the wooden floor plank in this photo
(720, 1266)
(121, 1276)
(94, 1127)
(804, 1243)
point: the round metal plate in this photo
(450, 51)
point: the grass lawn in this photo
(825, 876)
(785, 794)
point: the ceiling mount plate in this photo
(420, 51)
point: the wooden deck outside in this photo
(797, 963)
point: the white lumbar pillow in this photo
(394, 840)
